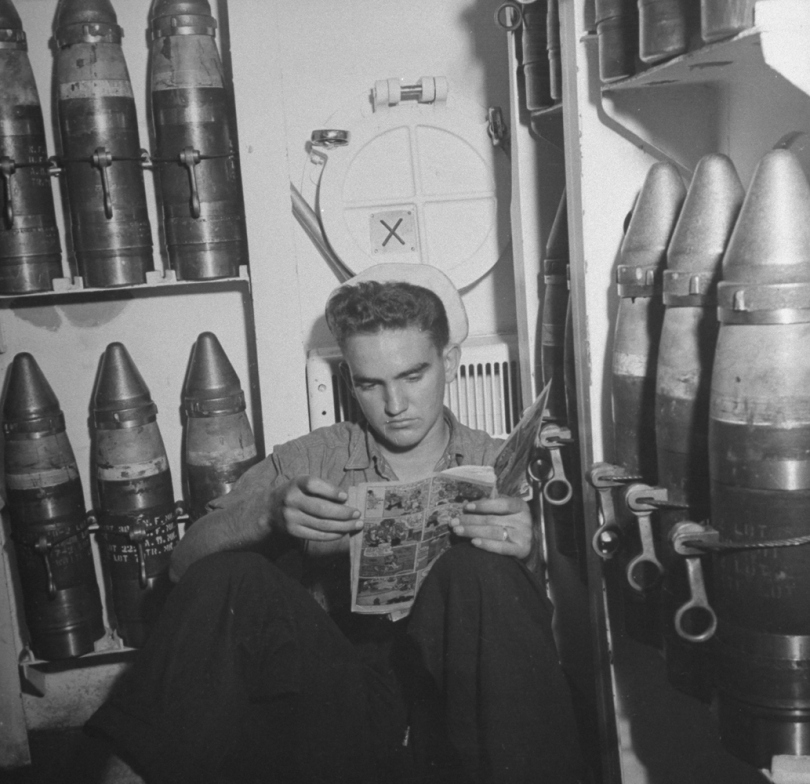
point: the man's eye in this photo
(415, 377)
(364, 387)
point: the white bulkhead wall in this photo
(294, 65)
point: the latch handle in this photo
(698, 605)
(697, 608)
(642, 500)
(329, 138)
(509, 16)
(605, 477)
(557, 489)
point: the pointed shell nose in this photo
(9, 18)
(30, 402)
(707, 219)
(771, 240)
(644, 248)
(212, 386)
(121, 393)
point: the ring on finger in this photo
(505, 534)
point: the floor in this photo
(69, 757)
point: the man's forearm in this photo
(219, 530)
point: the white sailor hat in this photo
(427, 277)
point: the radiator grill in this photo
(485, 393)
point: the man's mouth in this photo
(398, 423)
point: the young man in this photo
(254, 674)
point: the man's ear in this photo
(452, 359)
(346, 375)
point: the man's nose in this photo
(395, 400)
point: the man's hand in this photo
(500, 525)
(313, 509)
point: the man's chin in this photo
(401, 439)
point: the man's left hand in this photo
(500, 525)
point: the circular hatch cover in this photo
(418, 183)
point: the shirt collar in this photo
(364, 449)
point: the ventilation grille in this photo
(485, 393)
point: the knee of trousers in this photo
(226, 569)
(497, 585)
(465, 563)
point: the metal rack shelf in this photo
(778, 40)
(157, 282)
(709, 63)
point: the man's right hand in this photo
(313, 509)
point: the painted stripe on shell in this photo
(102, 88)
(49, 478)
(778, 412)
(632, 364)
(129, 471)
(235, 455)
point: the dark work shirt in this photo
(345, 455)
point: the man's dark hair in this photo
(370, 306)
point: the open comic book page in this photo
(512, 462)
(406, 528)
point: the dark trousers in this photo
(246, 679)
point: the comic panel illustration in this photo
(440, 519)
(449, 490)
(430, 550)
(382, 501)
(392, 531)
(386, 560)
(384, 591)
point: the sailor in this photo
(259, 671)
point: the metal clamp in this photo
(642, 500)
(557, 489)
(102, 160)
(43, 543)
(91, 519)
(181, 514)
(55, 168)
(604, 477)
(189, 158)
(7, 169)
(683, 536)
(43, 546)
(137, 535)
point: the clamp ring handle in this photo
(509, 16)
(699, 602)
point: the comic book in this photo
(512, 463)
(407, 525)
